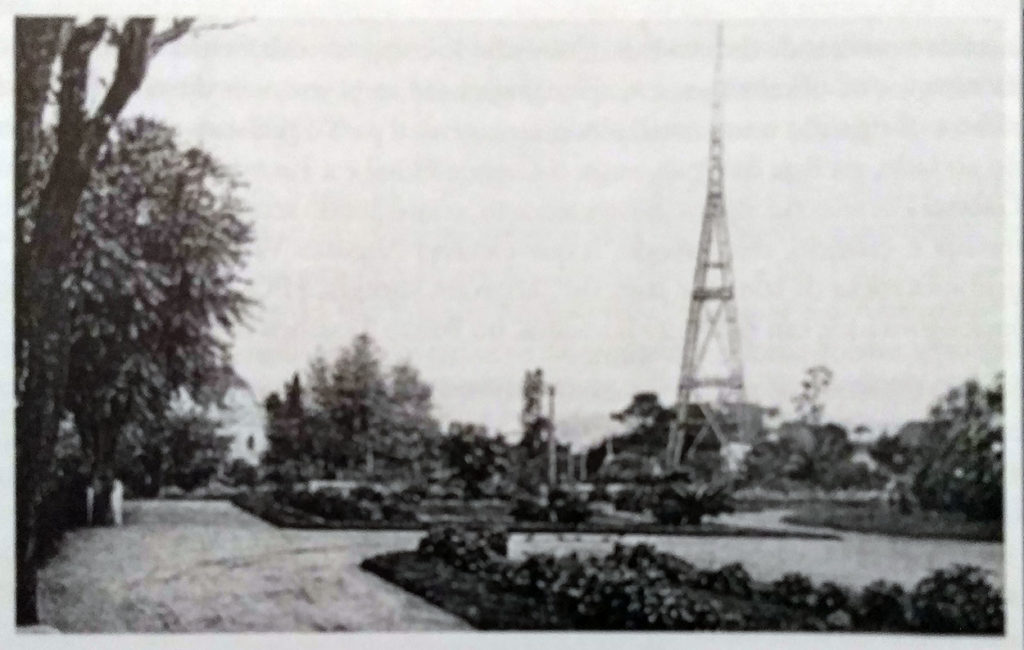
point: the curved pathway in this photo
(191, 566)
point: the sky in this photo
(484, 197)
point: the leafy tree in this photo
(358, 396)
(184, 450)
(155, 286)
(475, 457)
(809, 404)
(892, 453)
(288, 438)
(47, 192)
(535, 425)
(819, 456)
(411, 427)
(965, 474)
(240, 472)
(648, 423)
(353, 410)
(293, 399)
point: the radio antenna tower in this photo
(710, 389)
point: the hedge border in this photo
(282, 516)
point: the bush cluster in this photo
(731, 579)
(638, 587)
(472, 550)
(562, 506)
(882, 606)
(362, 503)
(600, 493)
(680, 503)
(633, 500)
(958, 599)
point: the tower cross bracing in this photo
(708, 388)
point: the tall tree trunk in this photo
(37, 42)
(41, 310)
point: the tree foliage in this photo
(536, 426)
(184, 449)
(809, 402)
(353, 412)
(892, 453)
(965, 474)
(155, 284)
(475, 457)
(809, 456)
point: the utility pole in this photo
(552, 447)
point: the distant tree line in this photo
(952, 461)
(351, 414)
(352, 417)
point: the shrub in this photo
(731, 579)
(639, 588)
(881, 606)
(530, 508)
(413, 493)
(600, 493)
(653, 566)
(633, 500)
(680, 503)
(619, 603)
(831, 598)
(472, 550)
(534, 576)
(367, 493)
(361, 504)
(562, 506)
(793, 590)
(568, 507)
(240, 472)
(959, 599)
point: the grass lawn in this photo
(874, 519)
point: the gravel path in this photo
(192, 566)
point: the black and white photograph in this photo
(575, 322)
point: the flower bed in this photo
(635, 587)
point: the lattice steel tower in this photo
(710, 390)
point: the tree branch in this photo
(74, 79)
(132, 59)
(178, 28)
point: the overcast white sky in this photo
(484, 197)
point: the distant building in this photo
(244, 422)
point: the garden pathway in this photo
(191, 566)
